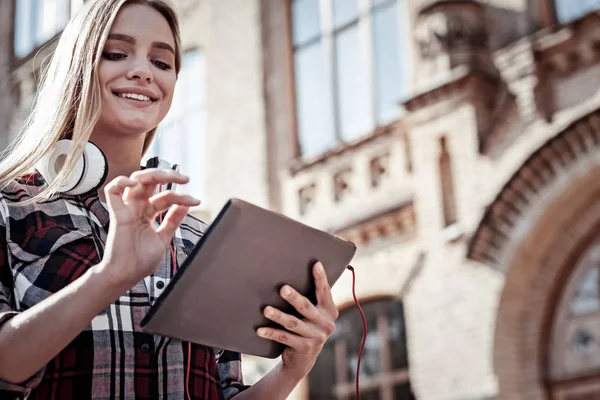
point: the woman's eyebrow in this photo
(131, 39)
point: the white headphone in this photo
(91, 169)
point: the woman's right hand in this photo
(134, 246)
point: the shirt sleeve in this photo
(7, 311)
(229, 364)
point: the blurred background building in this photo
(457, 143)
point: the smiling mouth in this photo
(135, 96)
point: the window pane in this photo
(344, 11)
(314, 100)
(349, 329)
(52, 17)
(23, 27)
(322, 377)
(587, 296)
(403, 392)
(305, 20)
(194, 72)
(397, 336)
(38, 21)
(193, 160)
(181, 135)
(354, 108)
(389, 72)
(64, 14)
(568, 10)
(370, 364)
(169, 139)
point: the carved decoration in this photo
(398, 222)
(444, 27)
(379, 169)
(341, 185)
(306, 197)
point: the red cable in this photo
(364, 339)
(189, 361)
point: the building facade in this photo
(455, 142)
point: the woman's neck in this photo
(124, 155)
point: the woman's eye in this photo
(113, 56)
(162, 65)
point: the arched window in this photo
(574, 353)
(384, 367)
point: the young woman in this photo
(78, 271)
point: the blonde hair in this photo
(68, 104)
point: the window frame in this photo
(31, 30)
(327, 35)
(384, 382)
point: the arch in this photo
(548, 167)
(533, 231)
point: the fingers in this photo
(287, 321)
(172, 220)
(164, 200)
(114, 192)
(152, 177)
(308, 335)
(324, 297)
(300, 344)
(307, 309)
(156, 176)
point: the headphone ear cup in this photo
(50, 165)
(95, 170)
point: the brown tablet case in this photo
(248, 253)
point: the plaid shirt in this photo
(46, 246)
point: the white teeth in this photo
(134, 96)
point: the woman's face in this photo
(137, 71)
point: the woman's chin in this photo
(134, 127)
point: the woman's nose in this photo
(141, 70)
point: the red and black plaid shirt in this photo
(46, 246)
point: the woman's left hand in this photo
(305, 337)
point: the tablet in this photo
(247, 254)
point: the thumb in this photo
(172, 220)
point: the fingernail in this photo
(261, 332)
(269, 311)
(320, 268)
(286, 291)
